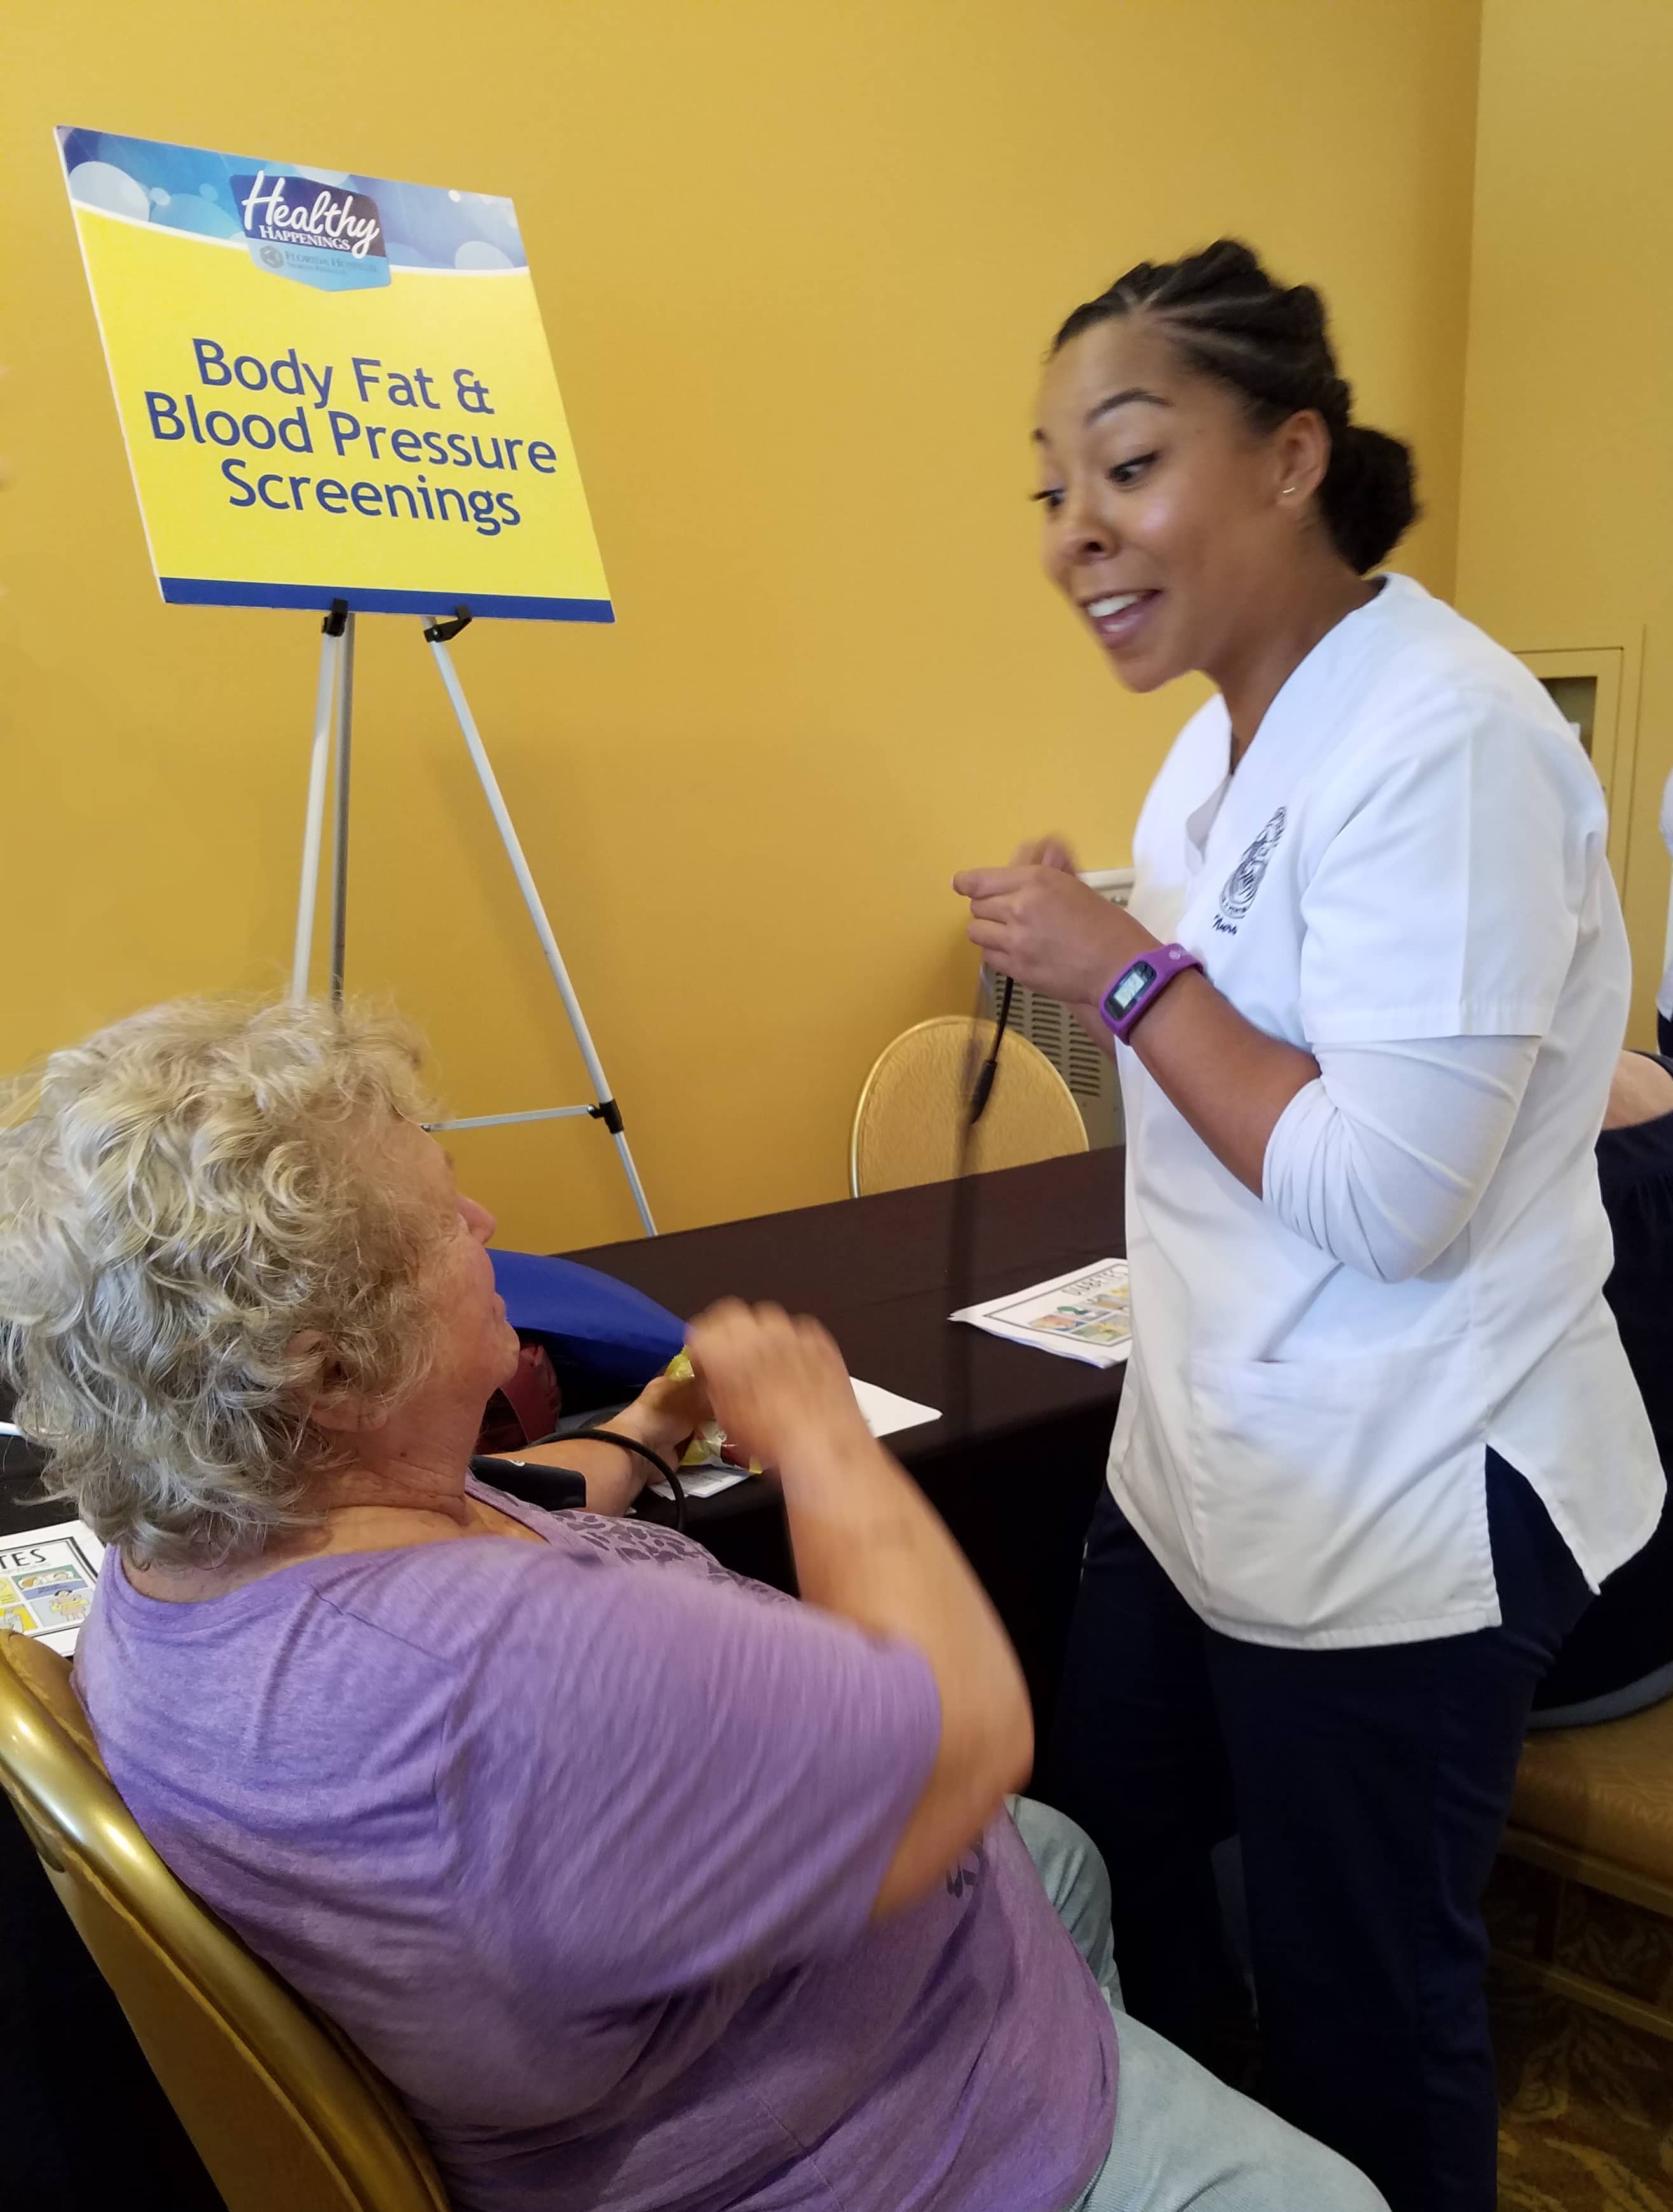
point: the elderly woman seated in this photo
(650, 1891)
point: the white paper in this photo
(47, 1579)
(1086, 1315)
(704, 1481)
(885, 1413)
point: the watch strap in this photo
(1121, 1006)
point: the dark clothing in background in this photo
(1619, 1655)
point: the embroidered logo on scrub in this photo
(1244, 879)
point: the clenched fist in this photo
(776, 1382)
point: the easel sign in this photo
(335, 393)
(330, 385)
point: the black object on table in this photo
(1016, 1484)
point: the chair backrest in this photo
(285, 2113)
(906, 1126)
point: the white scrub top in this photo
(1411, 848)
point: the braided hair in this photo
(1271, 345)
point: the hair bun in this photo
(1369, 494)
(1270, 343)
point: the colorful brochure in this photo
(46, 1581)
(1086, 1315)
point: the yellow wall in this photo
(1568, 437)
(798, 263)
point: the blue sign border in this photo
(362, 599)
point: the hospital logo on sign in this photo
(1244, 879)
(315, 233)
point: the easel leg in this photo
(609, 1112)
(345, 713)
(331, 648)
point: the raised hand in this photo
(1037, 921)
(1048, 852)
(776, 1381)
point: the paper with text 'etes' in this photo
(46, 1581)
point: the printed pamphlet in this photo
(46, 1581)
(1087, 1314)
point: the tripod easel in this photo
(333, 717)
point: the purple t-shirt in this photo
(579, 1841)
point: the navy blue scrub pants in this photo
(1369, 1789)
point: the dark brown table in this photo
(1013, 1465)
(1014, 1468)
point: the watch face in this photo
(1130, 989)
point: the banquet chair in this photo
(913, 1104)
(1595, 1806)
(285, 2113)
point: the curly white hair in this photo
(199, 1240)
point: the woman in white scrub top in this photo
(1378, 1441)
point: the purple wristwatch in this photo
(1139, 984)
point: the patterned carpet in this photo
(1585, 2102)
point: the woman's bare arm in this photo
(870, 1549)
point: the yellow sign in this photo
(332, 387)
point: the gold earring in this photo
(1287, 491)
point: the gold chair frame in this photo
(285, 2113)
